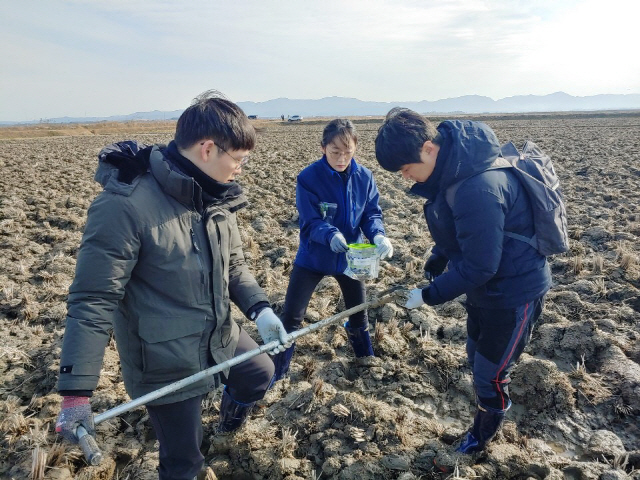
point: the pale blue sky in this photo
(99, 58)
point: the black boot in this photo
(360, 340)
(282, 361)
(232, 413)
(486, 424)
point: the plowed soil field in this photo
(576, 389)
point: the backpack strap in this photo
(533, 241)
(505, 160)
(450, 192)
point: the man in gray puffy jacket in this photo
(160, 262)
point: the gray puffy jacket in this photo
(161, 268)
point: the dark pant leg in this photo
(497, 338)
(248, 381)
(178, 427)
(354, 294)
(473, 334)
(302, 283)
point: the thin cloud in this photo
(121, 56)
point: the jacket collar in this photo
(353, 166)
(185, 189)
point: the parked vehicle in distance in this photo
(295, 118)
(253, 117)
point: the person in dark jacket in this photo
(468, 210)
(337, 201)
(160, 261)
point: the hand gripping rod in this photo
(88, 444)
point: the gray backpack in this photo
(535, 171)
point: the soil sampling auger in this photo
(88, 444)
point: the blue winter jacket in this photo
(494, 271)
(327, 204)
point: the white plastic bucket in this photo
(362, 261)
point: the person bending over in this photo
(469, 209)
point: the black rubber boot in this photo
(486, 424)
(282, 361)
(232, 413)
(360, 340)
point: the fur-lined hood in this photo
(120, 166)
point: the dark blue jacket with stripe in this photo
(356, 213)
(494, 271)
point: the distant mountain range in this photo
(341, 106)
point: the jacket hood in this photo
(472, 149)
(120, 166)
(467, 148)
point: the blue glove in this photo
(338, 243)
(270, 328)
(74, 411)
(383, 246)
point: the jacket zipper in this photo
(220, 246)
(196, 248)
(345, 209)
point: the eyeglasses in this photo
(239, 162)
(337, 153)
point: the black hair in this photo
(211, 116)
(401, 137)
(340, 128)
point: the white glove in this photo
(415, 299)
(270, 328)
(338, 243)
(383, 246)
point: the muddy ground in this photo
(576, 389)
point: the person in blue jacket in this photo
(337, 201)
(468, 210)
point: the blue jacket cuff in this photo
(426, 296)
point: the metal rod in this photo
(161, 392)
(89, 446)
